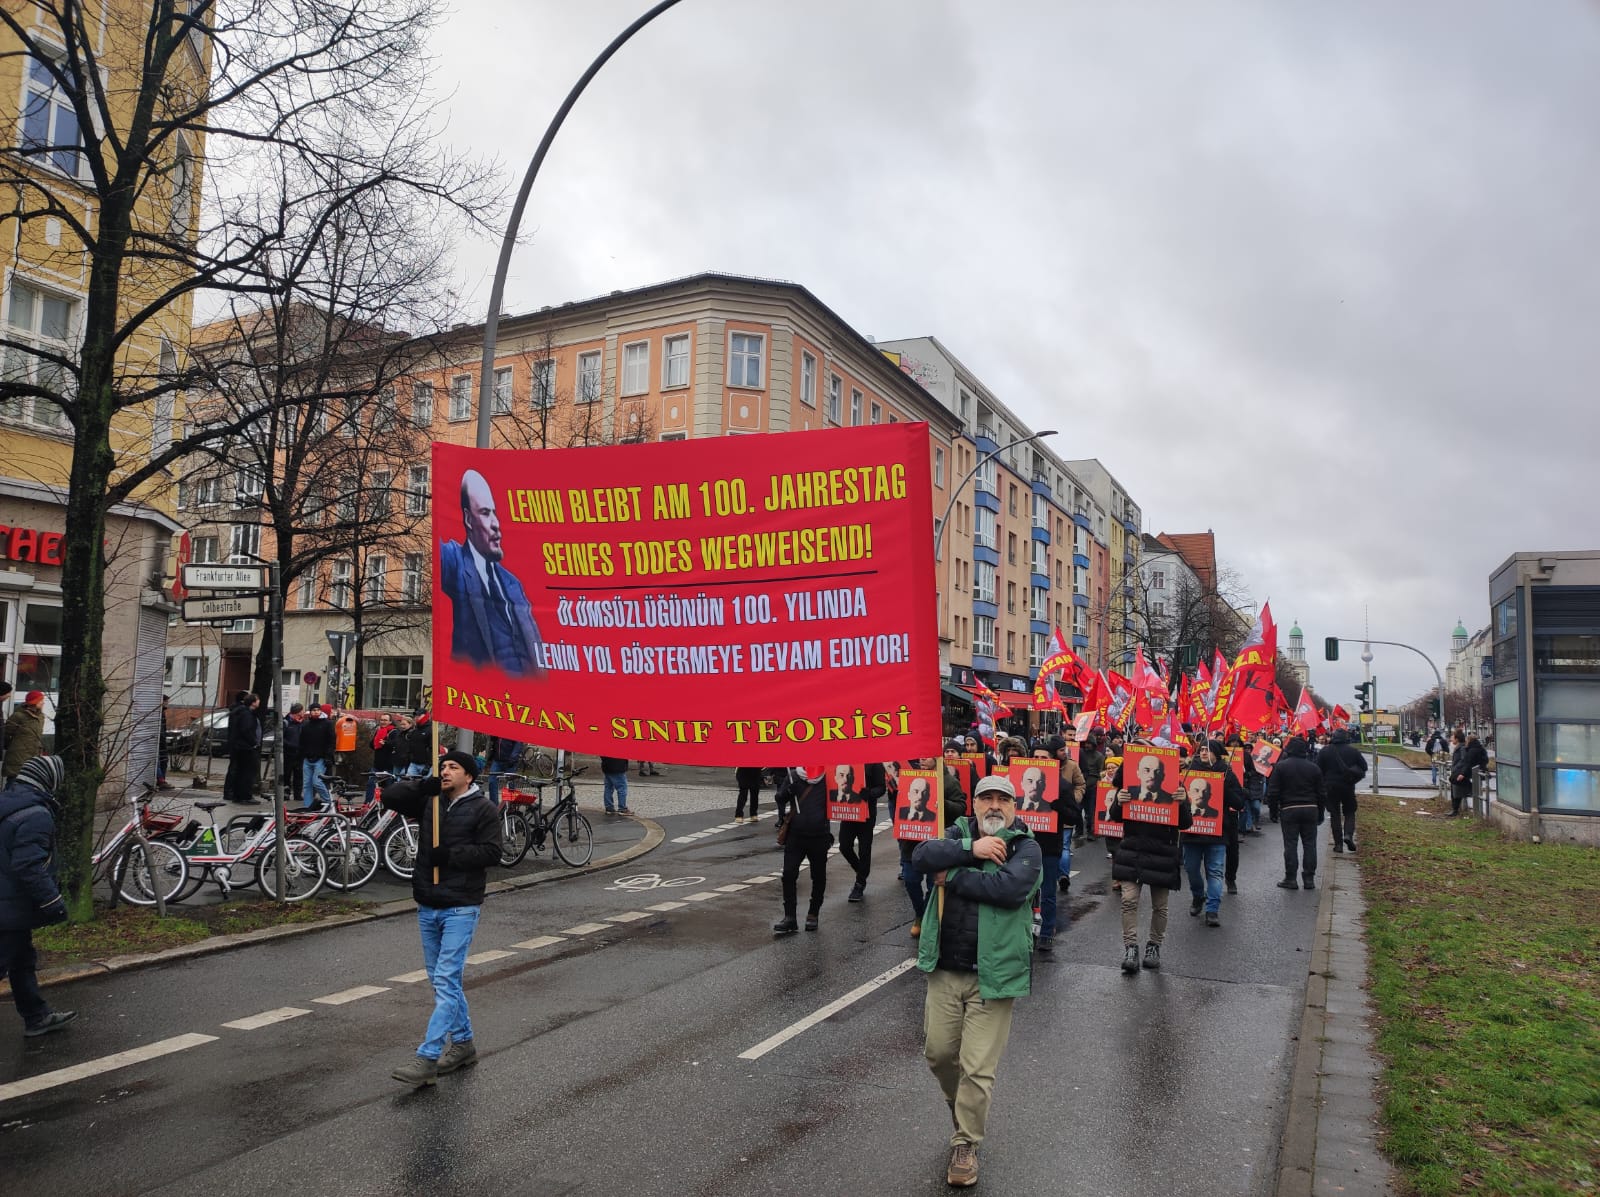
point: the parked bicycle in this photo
(536, 765)
(211, 853)
(138, 871)
(526, 826)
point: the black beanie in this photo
(465, 759)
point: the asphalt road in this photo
(611, 1057)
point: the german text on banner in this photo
(718, 601)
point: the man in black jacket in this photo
(29, 894)
(244, 749)
(1342, 767)
(458, 838)
(1295, 796)
(316, 751)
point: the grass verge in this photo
(1486, 978)
(128, 930)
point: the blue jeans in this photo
(312, 787)
(1212, 857)
(1248, 816)
(495, 769)
(918, 886)
(416, 770)
(617, 784)
(446, 936)
(1047, 895)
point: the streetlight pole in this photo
(955, 493)
(497, 289)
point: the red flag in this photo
(1186, 712)
(1251, 705)
(1306, 716)
(1062, 645)
(1168, 734)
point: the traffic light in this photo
(1433, 706)
(1330, 648)
(1363, 694)
(1188, 657)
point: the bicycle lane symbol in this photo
(648, 881)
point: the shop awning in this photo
(957, 693)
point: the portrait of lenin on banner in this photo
(491, 618)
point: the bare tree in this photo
(1184, 613)
(326, 96)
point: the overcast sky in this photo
(1345, 253)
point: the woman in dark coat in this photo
(1147, 856)
(1469, 755)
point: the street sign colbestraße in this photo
(225, 607)
(212, 576)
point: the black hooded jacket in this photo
(1342, 766)
(1295, 781)
(469, 827)
(1149, 852)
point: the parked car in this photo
(210, 732)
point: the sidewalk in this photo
(1330, 1139)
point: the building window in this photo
(543, 392)
(422, 404)
(808, 380)
(636, 368)
(984, 530)
(161, 421)
(1158, 609)
(195, 671)
(339, 591)
(417, 491)
(1011, 597)
(745, 359)
(411, 579)
(461, 397)
(982, 636)
(1158, 580)
(855, 408)
(49, 124)
(182, 186)
(308, 590)
(377, 578)
(964, 409)
(206, 492)
(835, 398)
(938, 466)
(392, 682)
(378, 507)
(386, 411)
(244, 543)
(1011, 548)
(983, 582)
(502, 391)
(1011, 647)
(42, 324)
(588, 377)
(1038, 645)
(877, 413)
(1039, 607)
(986, 478)
(675, 361)
(203, 550)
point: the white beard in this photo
(992, 824)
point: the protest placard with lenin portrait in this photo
(918, 811)
(1104, 794)
(1202, 790)
(1037, 782)
(845, 783)
(1149, 785)
(1236, 763)
(1265, 754)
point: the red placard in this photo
(694, 602)
(1150, 784)
(1236, 763)
(979, 761)
(1202, 790)
(918, 811)
(1104, 824)
(845, 782)
(1265, 754)
(1037, 782)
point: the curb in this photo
(654, 835)
(1297, 1151)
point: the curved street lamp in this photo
(983, 459)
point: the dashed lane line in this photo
(89, 1068)
(826, 1012)
(663, 907)
(266, 1018)
(411, 978)
(345, 996)
(733, 888)
(703, 896)
(539, 941)
(491, 954)
(692, 836)
(631, 916)
(586, 929)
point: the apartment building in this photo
(1036, 527)
(1119, 617)
(44, 276)
(709, 355)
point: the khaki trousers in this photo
(963, 1038)
(1130, 912)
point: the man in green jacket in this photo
(977, 948)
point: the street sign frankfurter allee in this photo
(224, 607)
(225, 577)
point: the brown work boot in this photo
(458, 1055)
(963, 1170)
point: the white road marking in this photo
(411, 978)
(537, 942)
(703, 896)
(78, 1072)
(663, 907)
(733, 888)
(586, 929)
(346, 996)
(265, 1019)
(486, 957)
(826, 1012)
(632, 916)
(684, 839)
(765, 877)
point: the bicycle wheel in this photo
(574, 838)
(400, 849)
(304, 870)
(514, 837)
(352, 857)
(131, 874)
(540, 765)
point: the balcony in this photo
(1079, 561)
(1041, 533)
(1081, 518)
(984, 439)
(1080, 600)
(1079, 639)
(1041, 485)
(1039, 627)
(987, 500)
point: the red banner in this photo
(711, 601)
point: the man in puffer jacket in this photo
(29, 893)
(976, 949)
(1295, 796)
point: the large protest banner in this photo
(719, 601)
